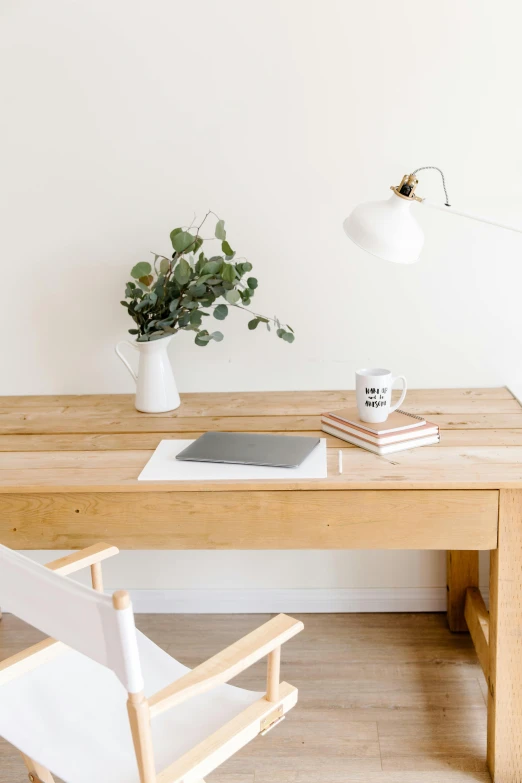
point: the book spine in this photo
(419, 422)
(381, 451)
(364, 444)
(383, 440)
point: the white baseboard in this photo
(239, 601)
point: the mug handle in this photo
(122, 357)
(403, 395)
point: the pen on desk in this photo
(340, 461)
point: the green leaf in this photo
(197, 244)
(165, 323)
(289, 327)
(280, 332)
(182, 271)
(232, 296)
(200, 263)
(173, 305)
(208, 300)
(288, 337)
(195, 318)
(198, 290)
(254, 323)
(247, 266)
(183, 241)
(134, 331)
(221, 312)
(164, 266)
(228, 273)
(202, 337)
(143, 268)
(213, 267)
(217, 336)
(174, 233)
(227, 250)
(220, 230)
(252, 283)
(203, 279)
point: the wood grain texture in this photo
(477, 619)
(227, 664)
(117, 471)
(43, 422)
(87, 557)
(276, 520)
(505, 696)
(226, 741)
(462, 571)
(100, 443)
(29, 659)
(358, 677)
(218, 402)
(36, 772)
(68, 478)
(147, 441)
(139, 719)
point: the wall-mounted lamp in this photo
(389, 230)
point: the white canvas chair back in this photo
(73, 614)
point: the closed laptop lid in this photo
(243, 448)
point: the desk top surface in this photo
(100, 443)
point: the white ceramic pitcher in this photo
(156, 390)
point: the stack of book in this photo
(400, 431)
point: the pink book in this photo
(398, 421)
(423, 431)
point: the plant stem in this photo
(247, 310)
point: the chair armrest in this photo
(227, 664)
(82, 559)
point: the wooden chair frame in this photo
(258, 718)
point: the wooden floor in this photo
(389, 698)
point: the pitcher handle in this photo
(122, 357)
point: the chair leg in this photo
(37, 773)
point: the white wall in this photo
(122, 118)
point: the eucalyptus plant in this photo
(179, 292)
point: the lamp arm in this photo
(470, 215)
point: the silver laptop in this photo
(242, 448)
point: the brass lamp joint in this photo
(407, 187)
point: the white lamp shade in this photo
(386, 229)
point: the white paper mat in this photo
(163, 466)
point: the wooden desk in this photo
(68, 468)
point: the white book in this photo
(381, 450)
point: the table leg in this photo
(462, 570)
(505, 643)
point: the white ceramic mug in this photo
(373, 388)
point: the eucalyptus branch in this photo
(154, 302)
(257, 315)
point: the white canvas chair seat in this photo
(69, 714)
(104, 704)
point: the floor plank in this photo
(390, 698)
